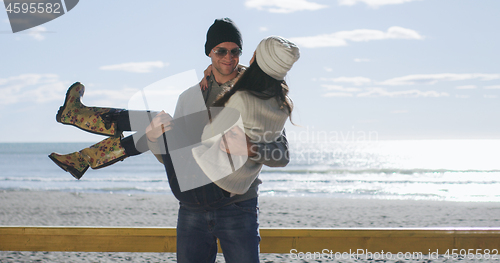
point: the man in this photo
(208, 213)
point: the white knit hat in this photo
(276, 55)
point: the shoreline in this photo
(117, 209)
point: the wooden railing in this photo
(274, 240)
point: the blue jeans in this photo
(235, 225)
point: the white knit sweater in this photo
(262, 121)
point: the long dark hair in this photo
(261, 85)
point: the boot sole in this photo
(75, 173)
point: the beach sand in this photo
(45, 208)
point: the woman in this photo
(261, 97)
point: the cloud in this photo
(341, 38)
(462, 96)
(123, 94)
(467, 87)
(31, 88)
(381, 92)
(361, 60)
(338, 94)
(263, 29)
(490, 96)
(492, 87)
(327, 69)
(283, 6)
(41, 88)
(340, 88)
(340, 91)
(435, 78)
(352, 80)
(136, 67)
(37, 33)
(373, 3)
(416, 79)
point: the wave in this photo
(374, 171)
(71, 179)
(358, 181)
(93, 189)
(267, 180)
(347, 192)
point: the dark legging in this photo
(134, 121)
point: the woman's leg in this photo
(133, 121)
(99, 155)
(104, 121)
(90, 119)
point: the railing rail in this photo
(274, 240)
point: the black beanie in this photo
(222, 30)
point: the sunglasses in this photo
(222, 52)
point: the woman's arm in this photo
(273, 154)
(206, 76)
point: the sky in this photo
(369, 69)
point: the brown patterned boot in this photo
(74, 163)
(99, 155)
(91, 119)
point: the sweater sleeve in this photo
(155, 147)
(156, 150)
(273, 154)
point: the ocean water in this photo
(447, 170)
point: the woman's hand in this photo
(161, 123)
(206, 75)
(236, 142)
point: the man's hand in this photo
(161, 123)
(238, 143)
